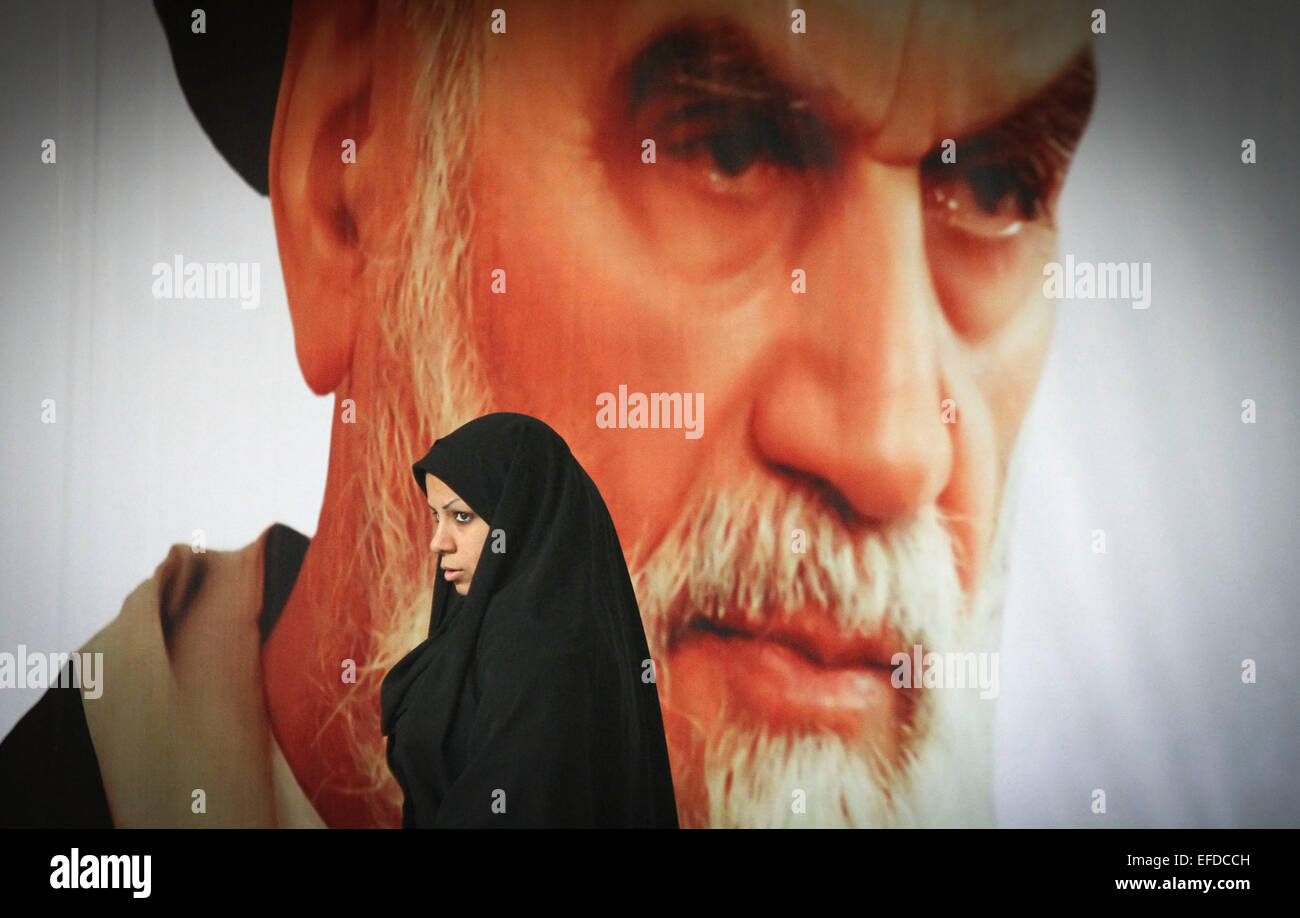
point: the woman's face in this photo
(458, 534)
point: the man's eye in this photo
(989, 197)
(984, 205)
(735, 135)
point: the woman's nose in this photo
(440, 541)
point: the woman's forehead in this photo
(440, 494)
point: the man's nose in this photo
(851, 388)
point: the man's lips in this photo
(795, 673)
(811, 632)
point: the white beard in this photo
(905, 577)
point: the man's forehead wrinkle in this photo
(895, 84)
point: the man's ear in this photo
(322, 203)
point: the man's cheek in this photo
(623, 461)
(984, 285)
(1008, 366)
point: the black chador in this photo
(532, 702)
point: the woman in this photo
(532, 701)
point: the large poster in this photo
(935, 362)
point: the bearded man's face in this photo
(833, 249)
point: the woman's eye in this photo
(467, 516)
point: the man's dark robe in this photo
(182, 706)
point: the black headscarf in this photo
(533, 693)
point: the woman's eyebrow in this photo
(446, 505)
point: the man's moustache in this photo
(736, 560)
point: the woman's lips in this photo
(451, 573)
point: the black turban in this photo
(532, 702)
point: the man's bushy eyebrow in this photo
(1058, 113)
(721, 58)
(715, 55)
(720, 67)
